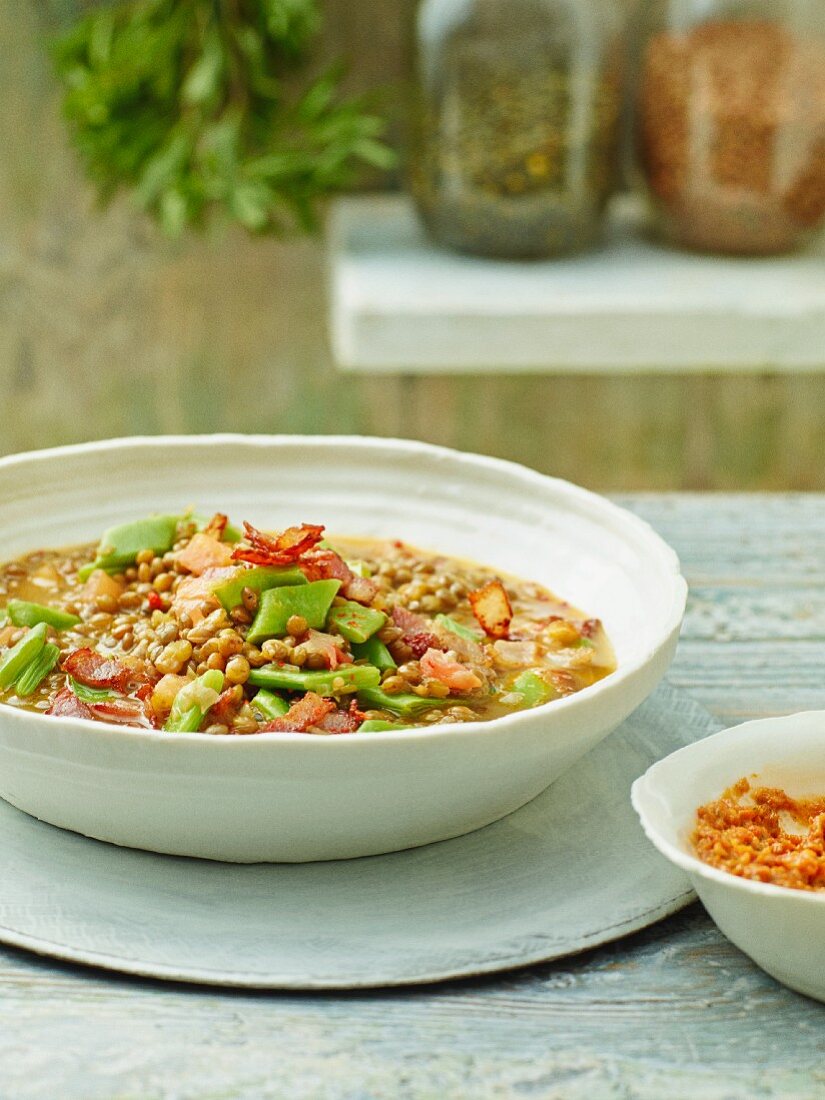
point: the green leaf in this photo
(374, 153)
(173, 212)
(162, 169)
(203, 80)
(250, 204)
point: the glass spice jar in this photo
(730, 122)
(516, 120)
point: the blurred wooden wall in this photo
(105, 329)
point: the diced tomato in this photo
(283, 549)
(447, 671)
(154, 600)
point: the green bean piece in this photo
(259, 578)
(374, 651)
(404, 705)
(89, 694)
(121, 545)
(458, 628)
(277, 606)
(23, 613)
(322, 681)
(21, 654)
(355, 622)
(193, 702)
(269, 704)
(187, 722)
(375, 725)
(534, 688)
(37, 670)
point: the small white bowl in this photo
(290, 797)
(781, 929)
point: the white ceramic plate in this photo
(567, 872)
(286, 796)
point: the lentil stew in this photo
(179, 624)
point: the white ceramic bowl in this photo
(782, 930)
(290, 797)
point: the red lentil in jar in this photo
(731, 125)
(174, 623)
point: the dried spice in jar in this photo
(731, 134)
(516, 124)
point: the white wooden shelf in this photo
(400, 304)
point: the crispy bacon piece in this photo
(226, 708)
(67, 705)
(283, 549)
(127, 712)
(590, 628)
(327, 565)
(90, 668)
(415, 631)
(216, 526)
(307, 711)
(448, 671)
(563, 681)
(422, 641)
(465, 648)
(339, 721)
(356, 711)
(492, 609)
(327, 646)
(408, 621)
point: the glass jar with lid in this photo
(516, 119)
(730, 122)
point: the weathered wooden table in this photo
(673, 1012)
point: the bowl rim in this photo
(666, 555)
(645, 786)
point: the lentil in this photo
(730, 135)
(742, 833)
